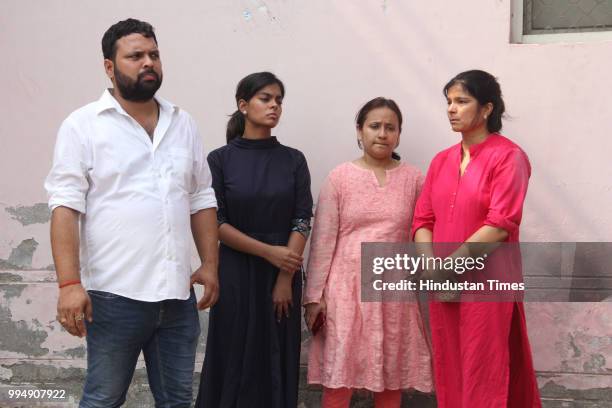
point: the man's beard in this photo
(139, 90)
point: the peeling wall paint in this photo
(558, 388)
(20, 337)
(76, 352)
(11, 291)
(384, 6)
(21, 256)
(36, 214)
(10, 277)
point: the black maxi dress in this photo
(251, 360)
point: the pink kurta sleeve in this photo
(424, 216)
(323, 242)
(508, 189)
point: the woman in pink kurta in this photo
(474, 192)
(377, 346)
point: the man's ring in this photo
(79, 317)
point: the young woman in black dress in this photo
(264, 210)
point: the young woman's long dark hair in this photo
(246, 89)
(376, 103)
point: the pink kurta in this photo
(482, 357)
(369, 345)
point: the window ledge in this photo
(583, 37)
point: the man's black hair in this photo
(121, 29)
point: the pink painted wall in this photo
(333, 55)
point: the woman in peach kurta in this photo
(378, 346)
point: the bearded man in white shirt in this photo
(131, 168)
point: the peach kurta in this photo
(370, 345)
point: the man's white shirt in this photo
(135, 196)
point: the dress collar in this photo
(266, 143)
(477, 148)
